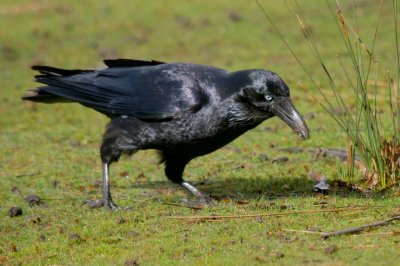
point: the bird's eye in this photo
(268, 98)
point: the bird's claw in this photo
(200, 202)
(100, 203)
(93, 204)
(112, 206)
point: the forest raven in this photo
(183, 110)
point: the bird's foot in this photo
(109, 204)
(93, 204)
(200, 202)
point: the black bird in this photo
(183, 110)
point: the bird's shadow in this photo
(245, 188)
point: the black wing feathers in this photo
(146, 109)
(48, 71)
(127, 87)
(130, 63)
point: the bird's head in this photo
(269, 93)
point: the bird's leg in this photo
(107, 199)
(201, 198)
(174, 166)
(118, 139)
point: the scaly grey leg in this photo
(201, 198)
(107, 199)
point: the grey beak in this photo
(286, 111)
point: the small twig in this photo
(360, 247)
(378, 234)
(354, 230)
(216, 217)
(322, 233)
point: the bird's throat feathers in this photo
(242, 114)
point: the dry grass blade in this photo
(302, 231)
(217, 217)
(341, 19)
(184, 206)
(346, 25)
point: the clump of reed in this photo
(373, 148)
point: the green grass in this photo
(41, 144)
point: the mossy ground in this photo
(52, 150)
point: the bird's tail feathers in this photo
(38, 95)
(48, 71)
(55, 92)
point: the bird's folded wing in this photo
(146, 108)
(149, 95)
(127, 91)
